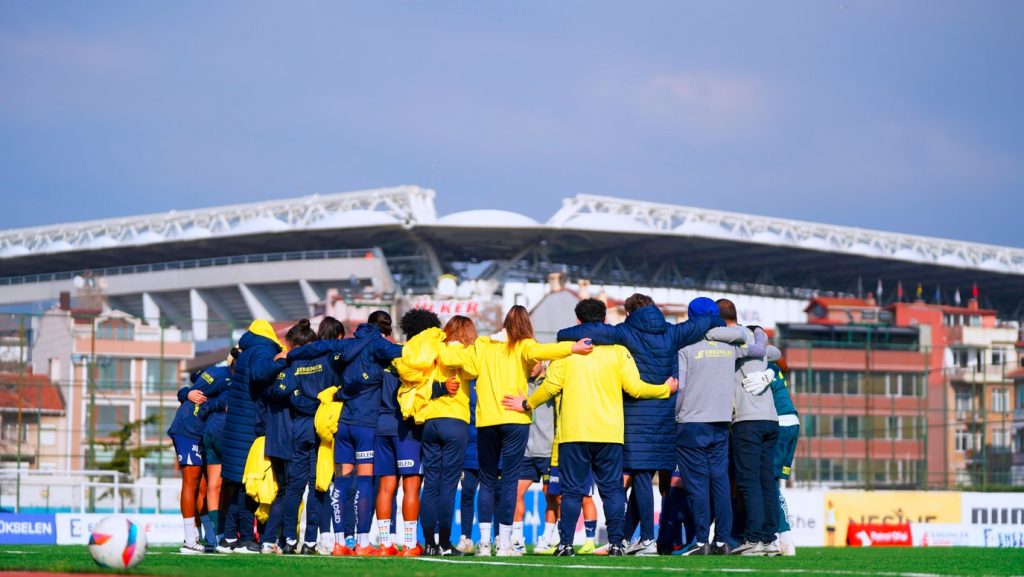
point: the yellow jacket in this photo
(422, 363)
(326, 424)
(558, 427)
(502, 370)
(591, 387)
(258, 478)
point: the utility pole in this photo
(92, 411)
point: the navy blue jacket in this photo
(310, 378)
(189, 419)
(255, 370)
(279, 415)
(650, 426)
(390, 414)
(471, 461)
(360, 361)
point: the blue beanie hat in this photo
(702, 307)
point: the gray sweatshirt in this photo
(707, 378)
(542, 431)
(748, 407)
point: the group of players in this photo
(701, 405)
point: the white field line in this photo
(691, 569)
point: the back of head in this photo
(460, 329)
(702, 307)
(727, 310)
(381, 320)
(636, 301)
(517, 325)
(330, 329)
(416, 321)
(300, 334)
(591, 311)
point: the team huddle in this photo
(327, 427)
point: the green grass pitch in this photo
(893, 562)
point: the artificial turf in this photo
(889, 562)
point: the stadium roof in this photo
(627, 241)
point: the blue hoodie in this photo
(650, 429)
(360, 361)
(189, 419)
(255, 370)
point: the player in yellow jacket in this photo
(591, 426)
(503, 363)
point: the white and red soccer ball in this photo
(117, 543)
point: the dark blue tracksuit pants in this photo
(467, 505)
(753, 453)
(318, 504)
(503, 446)
(443, 447)
(702, 450)
(640, 510)
(240, 518)
(291, 475)
(575, 462)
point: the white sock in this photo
(191, 532)
(327, 539)
(394, 536)
(550, 532)
(517, 532)
(339, 537)
(364, 539)
(384, 529)
(410, 533)
(504, 536)
(485, 533)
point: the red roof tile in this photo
(37, 392)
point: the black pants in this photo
(753, 453)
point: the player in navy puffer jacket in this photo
(650, 431)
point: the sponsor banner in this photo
(75, 528)
(27, 529)
(993, 509)
(843, 508)
(966, 535)
(876, 535)
(806, 516)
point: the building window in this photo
(1019, 395)
(159, 465)
(113, 374)
(158, 428)
(169, 381)
(810, 425)
(963, 441)
(894, 427)
(110, 419)
(115, 329)
(964, 401)
(1001, 400)
(1000, 440)
(968, 358)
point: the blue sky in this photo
(903, 116)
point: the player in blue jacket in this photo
(290, 440)
(186, 433)
(361, 361)
(213, 413)
(650, 433)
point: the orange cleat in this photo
(412, 551)
(368, 551)
(341, 550)
(389, 551)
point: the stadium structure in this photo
(275, 259)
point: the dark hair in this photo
(591, 311)
(235, 351)
(416, 321)
(635, 301)
(300, 334)
(726, 310)
(517, 325)
(330, 329)
(460, 329)
(382, 320)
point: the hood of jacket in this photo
(648, 319)
(252, 340)
(263, 329)
(364, 336)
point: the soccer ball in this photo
(117, 543)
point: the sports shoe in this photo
(367, 551)
(412, 551)
(250, 548)
(194, 548)
(270, 549)
(772, 549)
(323, 548)
(447, 550)
(519, 548)
(548, 550)
(748, 549)
(308, 549)
(507, 552)
(564, 551)
(643, 548)
(430, 550)
(289, 549)
(465, 545)
(602, 550)
(389, 551)
(541, 543)
(588, 547)
(483, 549)
(616, 551)
(721, 549)
(788, 549)
(698, 549)
(226, 546)
(341, 550)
